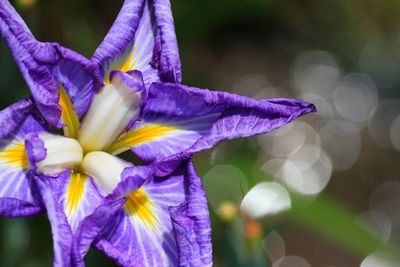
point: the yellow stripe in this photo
(14, 154)
(128, 64)
(140, 136)
(68, 115)
(139, 204)
(75, 191)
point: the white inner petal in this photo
(105, 169)
(110, 112)
(62, 153)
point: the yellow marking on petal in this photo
(128, 63)
(139, 136)
(14, 154)
(68, 114)
(139, 204)
(75, 191)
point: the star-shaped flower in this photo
(127, 97)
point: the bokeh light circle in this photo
(380, 123)
(355, 97)
(342, 142)
(291, 261)
(395, 133)
(310, 181)
(377, 223)
(274, 246)
(315, 72)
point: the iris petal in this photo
(191, 224)
(23, 46)
(45, 65)
(142, 38)
(179, 121)
(13, 155)
(144, 134)
(69, 199)
(75, 192)
(68, 114)
(14, 178)
(77, 195)
(139, 54)
(17, 195)
(141, 233)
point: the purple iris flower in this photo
(128, 96)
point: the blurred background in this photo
(322, 191)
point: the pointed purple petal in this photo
(79, 76)
(46, 66)
(18, 195)
(169, 53)
(120, 35)
(61, 231)
(91, 226)
(22, 45)
(142, 38)
(77, 213)
(141, 233)
(191, 223)
(179, 121)
(132, 178)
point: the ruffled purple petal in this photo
(18, 195)
(46, 66)
(77, 213)
(170, 64)
(79, 76)
(191, 224)
(35, 150)
(22, 45)
(61, 231)
(142, 38)
(12, 117)
(179, 121)
(16, 208)
(120, 35)
(141, 233)
(91, 226)
(132, 79)
(132, 178)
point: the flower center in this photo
(53, 154)
(112, 110)
(105, 169)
